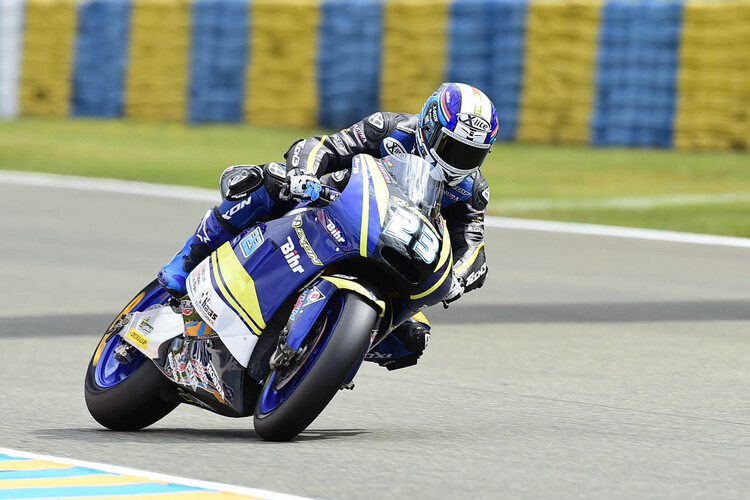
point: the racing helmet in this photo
(457, 126)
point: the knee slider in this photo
(238, 181)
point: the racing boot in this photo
(209, 236)
(403, 347)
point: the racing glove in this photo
(302, 185)
(455, 292)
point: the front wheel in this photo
(294, 396)
(127, 397)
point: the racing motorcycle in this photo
(282, 316)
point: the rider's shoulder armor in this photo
(480, 192)
(393, 131)
(473, 190)
(384, 123)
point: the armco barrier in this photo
(653, 73)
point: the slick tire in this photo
(346, 347)
(145, 397)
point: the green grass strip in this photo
(176, 153)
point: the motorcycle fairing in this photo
(209, 376)
(280, 257)
(312, 301)
(149, 330)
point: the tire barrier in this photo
(652, 73)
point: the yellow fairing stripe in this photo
(313, 153)
(343, 284)
(446, 251)
(436, 285)
(365, 210)
(381, 189)
(240, 284)
(463, 267)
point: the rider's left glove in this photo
(303, 185)
(455, 292)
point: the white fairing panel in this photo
(236, 336)
(150, 329)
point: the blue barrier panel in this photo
(100, 57)
(349, 56)
(219, 48)
(636, 80)
(486, 50)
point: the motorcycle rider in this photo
(454, 130)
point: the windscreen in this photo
(421, 182)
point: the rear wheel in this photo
(132, 396)
(295, 395)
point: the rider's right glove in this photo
(457, 289)
(303, 185)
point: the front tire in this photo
(128, 397)
(288, 405)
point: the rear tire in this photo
(345, 341)
(128, 397)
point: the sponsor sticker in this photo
(136, 337)
(384, 171)
(186, 307)
(298, 306)
(393, 147)
(204, 307)
(315, 295)
(291, 256)
(304, 243)
(251, 242)
(145, 326)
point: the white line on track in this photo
(212, 196)
(153, 476)
(624, 202)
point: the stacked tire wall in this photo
(650, 73)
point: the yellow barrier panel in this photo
(559, 79)
(713, 111)
(414, 53)
(282, 77)
(158, 59)
(47, 57)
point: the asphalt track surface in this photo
(587, 367)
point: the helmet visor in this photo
(459, 154)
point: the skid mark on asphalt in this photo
(26, 475)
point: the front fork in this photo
(302, 322)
